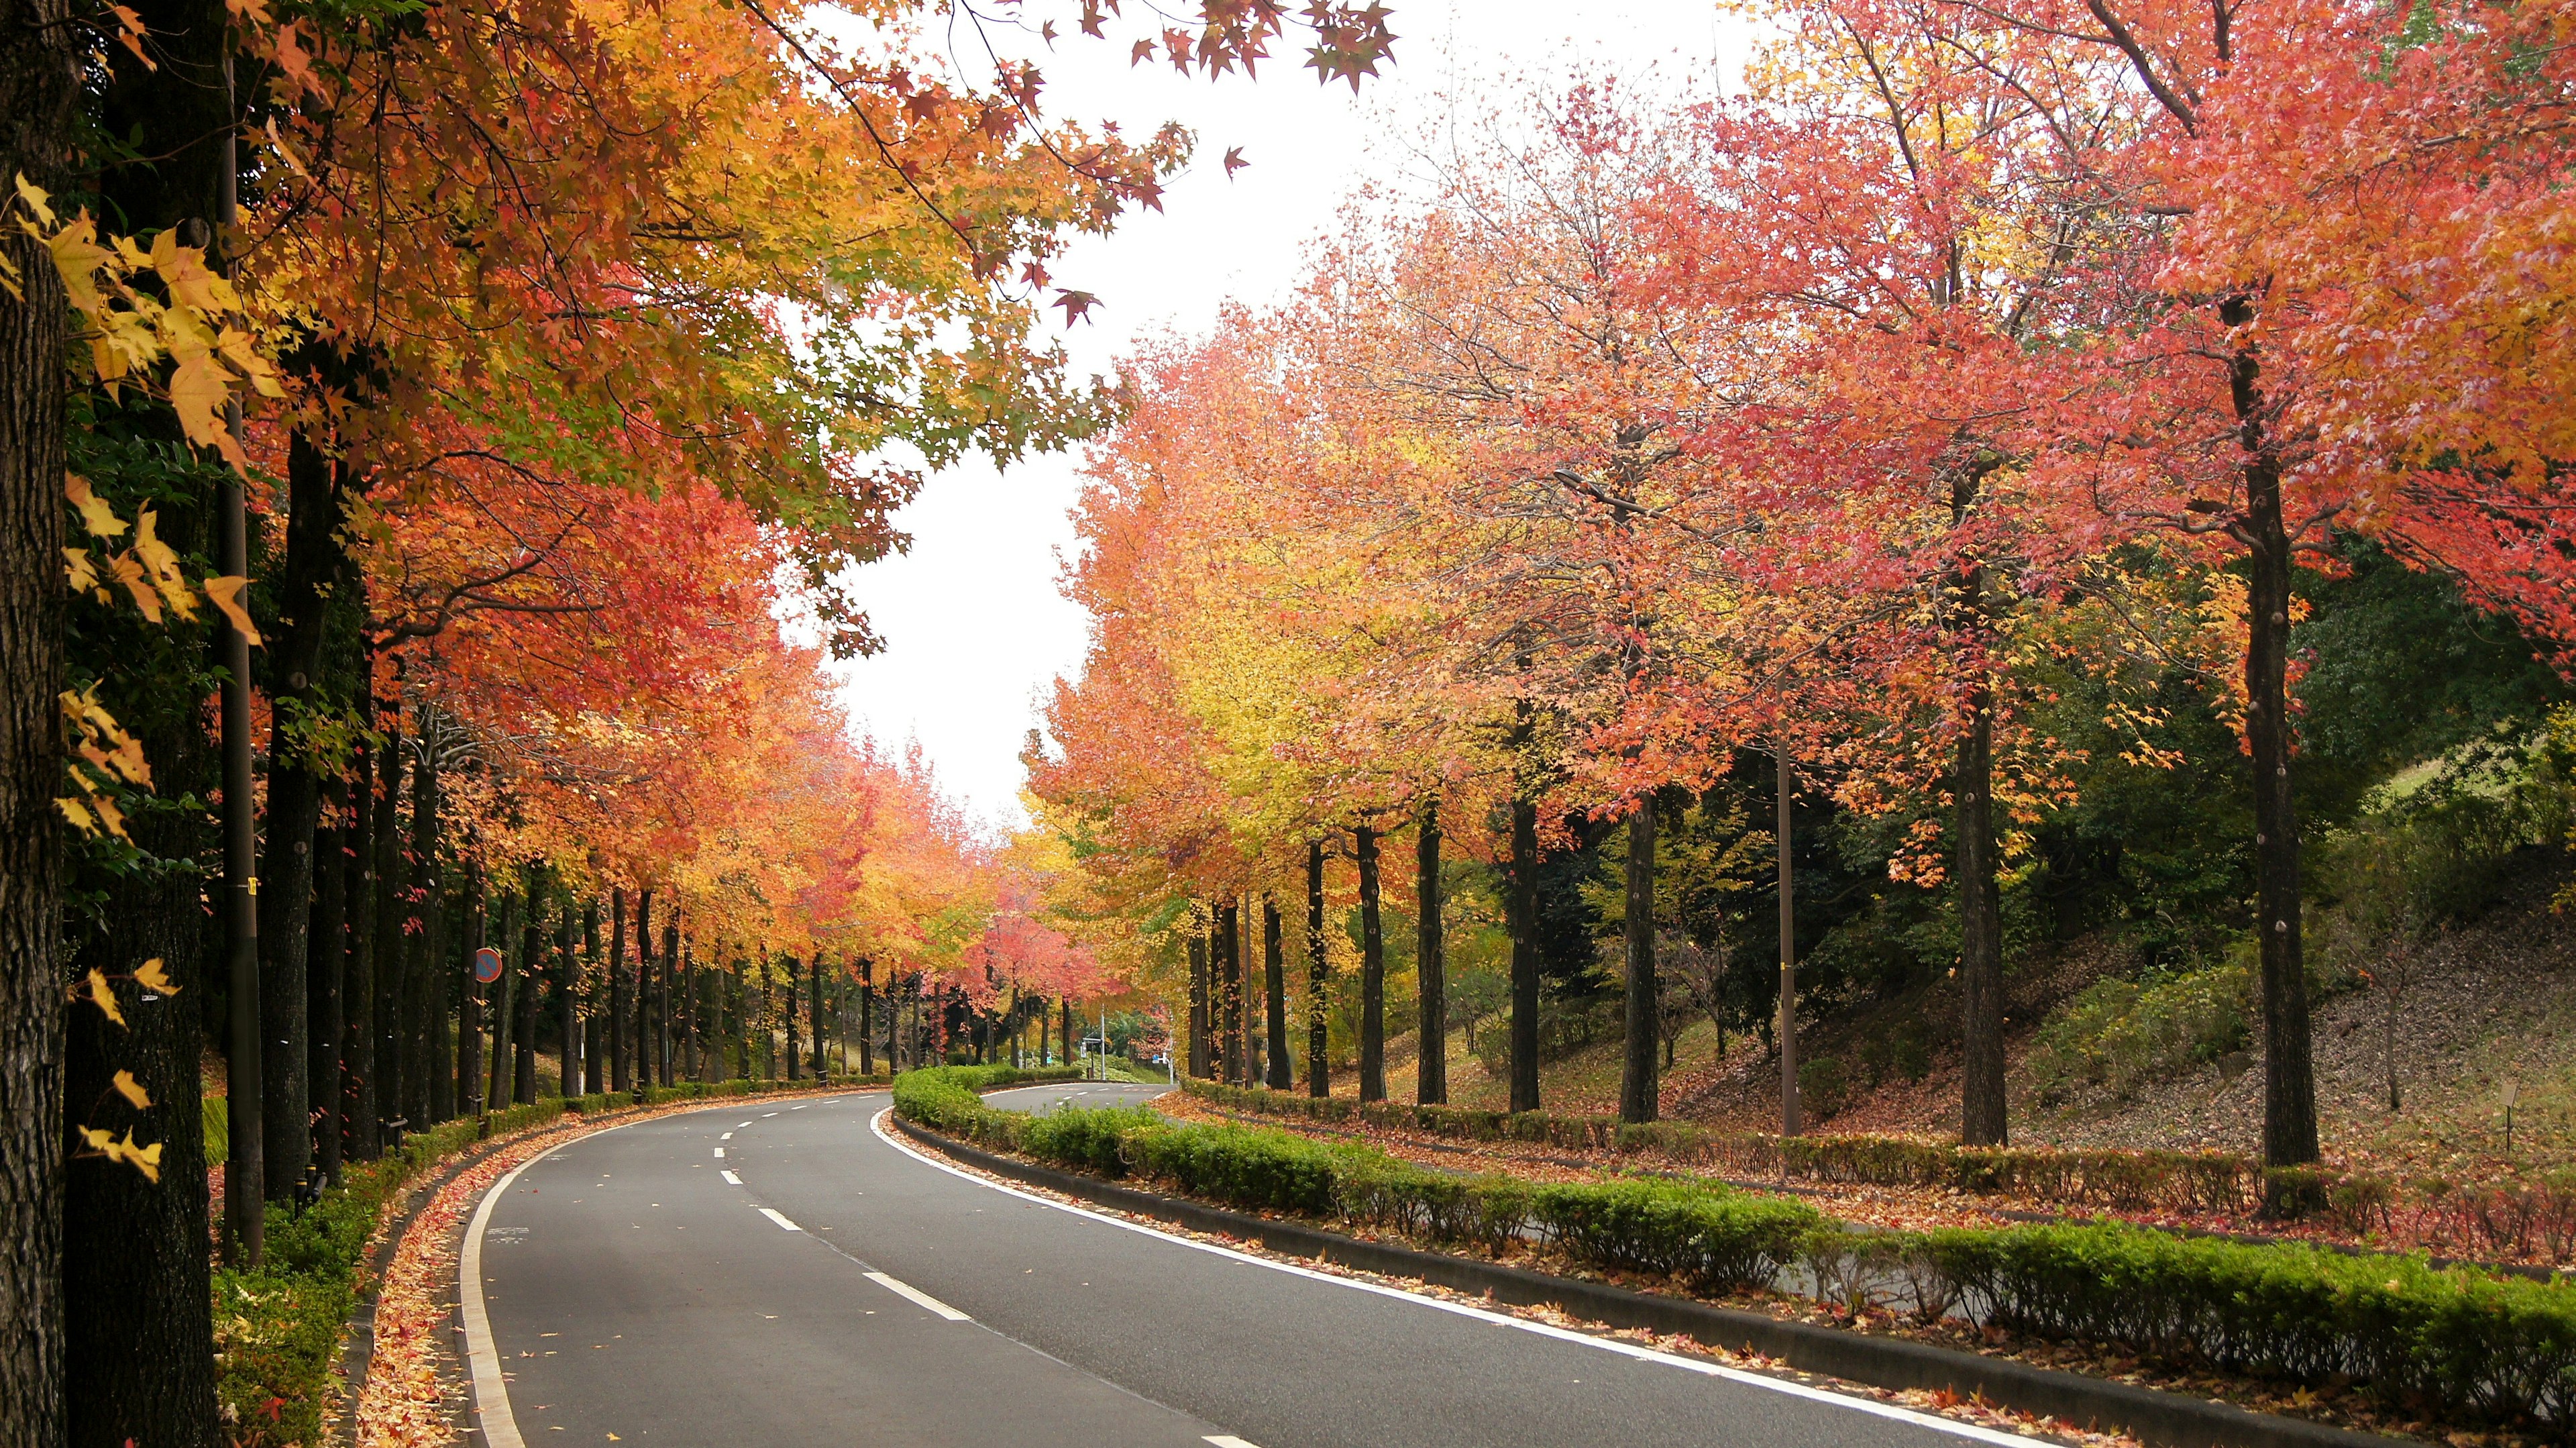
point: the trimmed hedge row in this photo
(2452, 1344)
(2533, 1218)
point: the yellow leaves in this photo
(103, 995)
(95, 514)
(132, 1090)
(153, 977)
(131, 331)
(78, 570)
(226, 594)
(105, 757)
(161, 563)
(145, 1159)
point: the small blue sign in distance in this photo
(487, 965)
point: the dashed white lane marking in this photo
(792, 1108)
(1227, 1440)
(763, 1116)
(740, 1124)
(1955, 1429)
(731, 1179)
(917, 1297)
(773, 1214)
(728, 1136)
(719, 1153)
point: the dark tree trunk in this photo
(567, 988)
(867, 1021)
(668, 1045)
(447, 998)
(326, 957)
(1198, 948)
(819, 1072)
(135, 1288)
(358, 982)
(1521, 920)
(1431, 1073)
(768, 1005)
(470, 1067)
(1319, 972)
(2289, 1072)
(1229, 934)
(313, 568)
(1788, 1023)
(1639, 1090)
(1274, 997)
(392, 943)
(795, 1060)
(620, 1076)
(1981, 955)
(1066, 1006)
(422, 1004)
(688, 980)
(532, 974)
(1372, 972)
(594, 1046)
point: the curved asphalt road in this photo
(781, 1273)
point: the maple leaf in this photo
(96, 515)
(152, 976)
(103, 996)
(1139, 53)
(1234, 161)
(1034, 273)
(132, 1090)
(1077, 305)
(226, 595)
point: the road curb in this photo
(2163, 1419)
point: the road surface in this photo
(785, 1274)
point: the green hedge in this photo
(2454, 1344)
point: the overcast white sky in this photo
(975, 627)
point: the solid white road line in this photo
(917, 1297)
(1969, 1431)
(773, 1214)
(731, 1179)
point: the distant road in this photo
(781, 1273)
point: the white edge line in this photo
(1625, 1349)
(917, 1297)
(775, 1215)
(1227, 1440)
(491, 1390)
(731, 1180)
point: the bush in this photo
(2120, 1033)
(1084, 1138)
(1715, 1240)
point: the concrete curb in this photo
(2167, 1420)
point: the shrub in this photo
(1085, 1138)
(1242, 1166)
(1715, 1240)
(2119, 1033)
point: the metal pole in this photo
(244, 1189)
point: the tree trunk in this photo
(1430, 956)
(1521, 919)
(1198, 950)
(358, 983)
(690, 1066)
(1274, 997)
(1372, 972)
(1981, 955)
(326, 957)
(1788, 1023)
(819, 1072)
(1067, 1005)
(1319, 971)
(135, 1288)
(532, 975)
(620, 1077)
(469, 1011)
(867, 1020)
(1229, 934)
(594, 1048)
(1640, 1091)
(420, 1001)
(2289, 1072)
(795, 1060)
(668, 1045)
(567, 1007)
(385, 1092)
